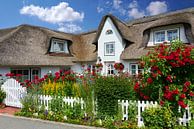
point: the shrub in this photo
(168, 76)
(159, 118)
(108, 90)
(30, 105)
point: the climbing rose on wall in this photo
(168, 75)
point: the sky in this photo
(76, 16)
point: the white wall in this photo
(181, 29)
(77, 68)
(115, 37)
(45, 70)
(4, 70)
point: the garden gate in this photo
(14, 92)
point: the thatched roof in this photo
(121, 27)
(140, 29)
(29, 45)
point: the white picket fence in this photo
(14, 92)
(45, 100)
(142, 105)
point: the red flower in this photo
(136, 87)
(169, 78)
(27, 81)
(45, 76)
(18, 75)
(161, 103)
(191, 94)
(185, 89)
(182, 104)
(176, 92)
(36, 77)
(149, 80)
(182, 96)
(9, 74)
(146, 97)
(187, 84)
(159, 72)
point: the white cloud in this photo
(55, 14)
(117, 4)
(99, 9)
(69, 28)
(156, 7)
(133, 4)
(135, 13)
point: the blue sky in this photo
(80, 15)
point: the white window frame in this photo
(137, 69)
(55, 44)
(109, 68)
(166, 35)
(105, 48)
(30, 72)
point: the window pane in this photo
(172, 35)
(160, 36)
(110, 48)
(61, 46)
(133, 69)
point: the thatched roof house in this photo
(27, 45)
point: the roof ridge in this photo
(148, 18)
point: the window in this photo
(110, 48)
(59, 46)
(35, 72)
(24, 72)
(109, 32)
(110, 69)
(134, 69)
(166, 35)
(92, 68)
(160, 36)
(27, 74)
(172, 34)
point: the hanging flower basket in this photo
(119, 66)
(99, 65)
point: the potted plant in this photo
(2, 97)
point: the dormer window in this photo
(59, 46)
(166, 35)
(109, 32)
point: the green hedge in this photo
(108, 90)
